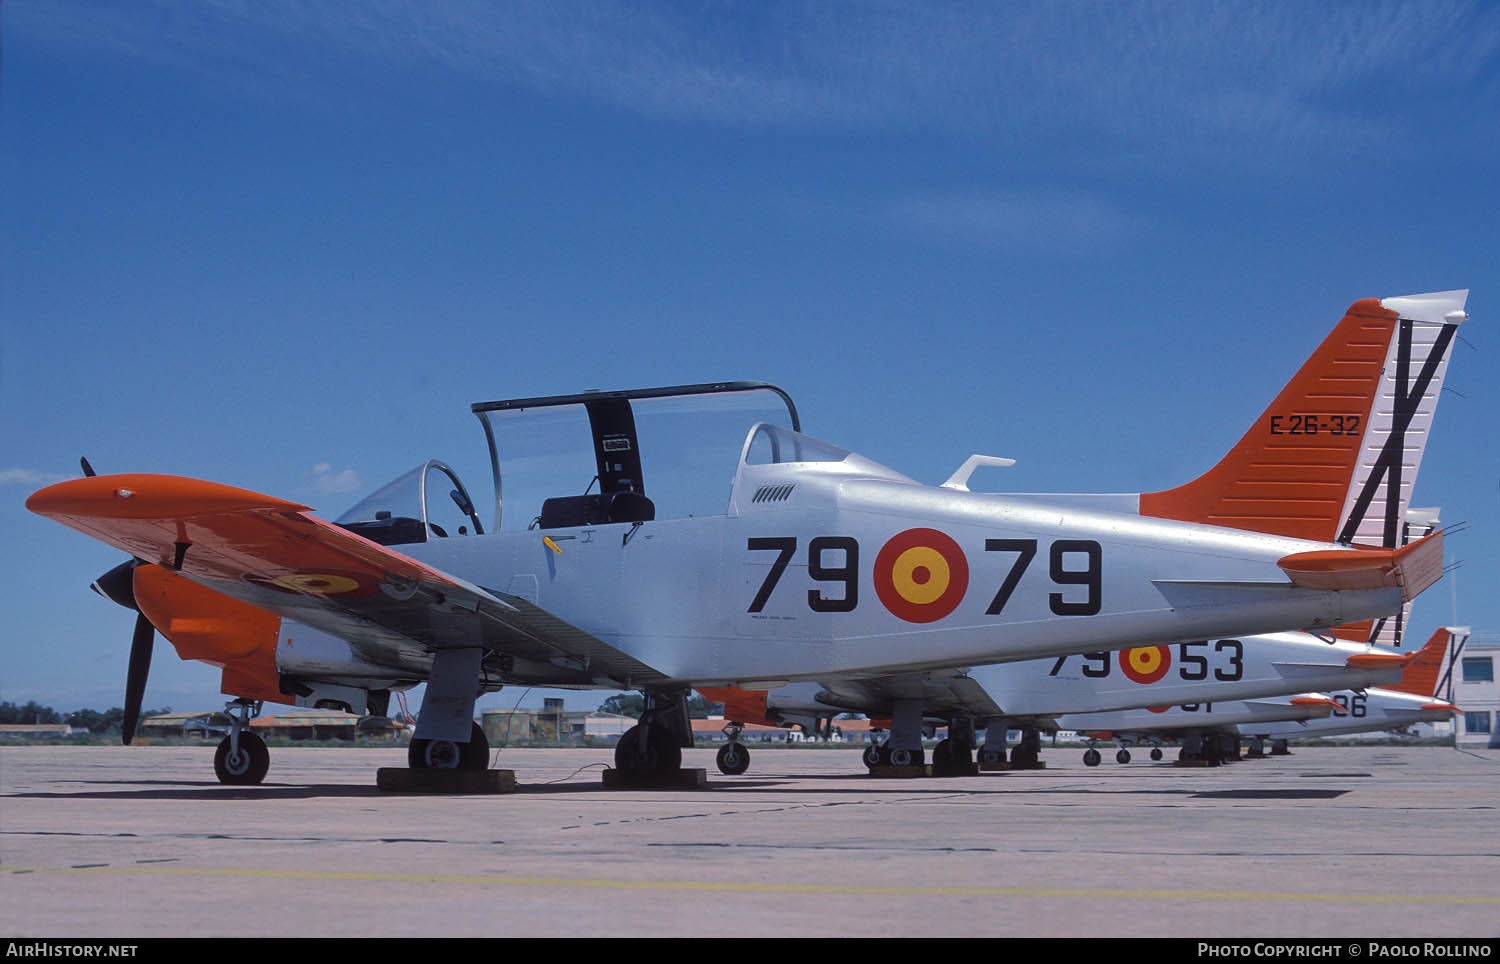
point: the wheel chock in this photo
(957, 770)
(890, 771)
(415, 780)
(688, 778)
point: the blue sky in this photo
(285, 245)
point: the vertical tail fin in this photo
(1334, 456)
(1420, 678)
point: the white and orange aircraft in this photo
(1211, 730)
(1095, 691)
(1393, 708)
(822, 563)
(1369, 502)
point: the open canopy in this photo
(623, 456)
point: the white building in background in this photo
(1472, 661)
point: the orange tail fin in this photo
(1421, 675)
(1333, 457)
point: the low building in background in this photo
(1472, 660)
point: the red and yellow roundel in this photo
(335, 584)
(921, 575)
(1146, 664)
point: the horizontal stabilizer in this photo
(1413, 567)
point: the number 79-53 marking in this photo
(1062, 568)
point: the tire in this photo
(1156, 753)
(661, 756)
(246, 768)
(447, 755)
(875, 756)
(991, 756)
(906, 758)
(733, 759)
(1122, 756)
(1091, 758)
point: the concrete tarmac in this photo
(1353, 842)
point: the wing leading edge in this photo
(273, 554)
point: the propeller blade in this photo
(135, 682)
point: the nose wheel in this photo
(242, 758)
(733, 759)
(243, 765)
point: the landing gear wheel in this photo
(1122, 756)
(447, 755)
(906, 758)
(949, 758)
(733, 759)
(876, 756)
(1091, 758)
(991, 756)
(660, 756)
(1156, 753)
(1023, 757)
(245, 768)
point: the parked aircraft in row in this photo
(822, 565)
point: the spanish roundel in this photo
(1146, 664)
(330, 583)
(921, 575)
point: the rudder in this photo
(1334, 456)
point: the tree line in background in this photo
(92, 720)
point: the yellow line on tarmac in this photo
(750, 887)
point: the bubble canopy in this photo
(667, 452)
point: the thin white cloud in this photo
(1057, 221)
(328, 482)
(30, 477)
(1214, 77)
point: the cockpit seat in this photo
(388, 531)
(627, 506)
(595, 510)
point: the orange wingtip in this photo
(1412, 567)
(147, 497)
(1441, 708)
(1314, 701)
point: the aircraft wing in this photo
(275, 555)
(941, 693)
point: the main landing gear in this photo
(1028, 753)
(242, 758)
(1092, 757)
(449, 754)
(650, 753)
(954, 757)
